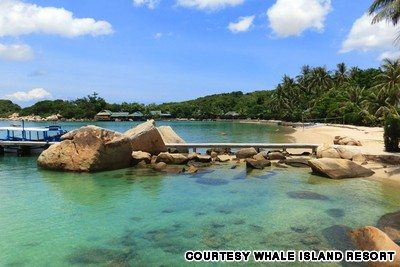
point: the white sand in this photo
(371, 139)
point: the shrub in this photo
(392, 133)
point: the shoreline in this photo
(371, 139)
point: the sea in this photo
(139, 217)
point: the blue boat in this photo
(24, 139)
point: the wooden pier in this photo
(257, 146)
(24, 147)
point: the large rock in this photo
(245, 153)
(346, 141)
(257, 163)
(371, 238)
(203, 158)
(327, 152)
(219, 150)
(87, 149)
(276, 155)
(338, 168)
(169, 136)
(172, 158)
(145, 137)
(390, 224)
(224, 158)
(344, 152)
(139, 156)
(347, 152)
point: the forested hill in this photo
(358, 96)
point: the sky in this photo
(155, 51)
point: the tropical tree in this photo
(388, 10)
(389, 85)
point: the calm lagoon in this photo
(134, 217)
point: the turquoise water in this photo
(142, 218)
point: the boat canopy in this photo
(32, 129)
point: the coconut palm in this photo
(390, 81)
(341, 74)
(388, 10)
(320, 80)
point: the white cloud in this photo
(158, 35)
(365, 36)
(34, 94)
(293, 17)
(19, 18)
(390, 55)
(243, 24)
(209, 4)
(16, 52)
(149, 3)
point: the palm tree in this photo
(390, 81)
(388, 10)
(341, 74)
(320, 80)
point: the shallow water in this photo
(139, 217)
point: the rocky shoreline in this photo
(93, 149)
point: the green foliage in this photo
(352, 95)
(392, 133)
(7, 108)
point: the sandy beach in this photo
(371, 139)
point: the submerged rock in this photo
(87, 149)
(338, 168)
(300, 229)
(245, 153)
(169, 136)
(211, 181)
(337, 236)
(101, 256)
(390, 224)
(306, 195)
(296, 162)
(335, 213)
(371, 238)
(159, 166)
(145, 137)
(257, 164)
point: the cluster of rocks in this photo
(92, 148)
(35, 118)
(339, 162)
(346, 141)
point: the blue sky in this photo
(171, 50)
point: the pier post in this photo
(23, 151)
(314, 151)
(1, 150)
